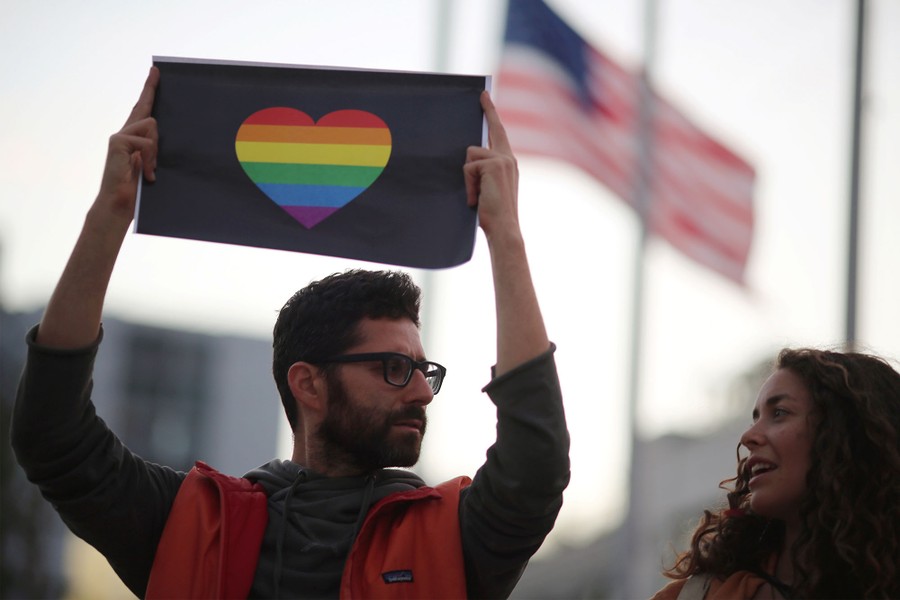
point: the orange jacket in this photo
(409, 545)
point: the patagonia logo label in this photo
(403, 576)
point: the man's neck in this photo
(329, 463)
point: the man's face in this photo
(371, 424)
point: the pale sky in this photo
(769, 78)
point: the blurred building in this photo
(678, 478)
(173, 397)
(31, 548)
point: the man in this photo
(334, 521)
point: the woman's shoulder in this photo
(742, 584)
(671, 591)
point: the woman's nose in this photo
(752, 437)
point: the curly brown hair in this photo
(850, 539)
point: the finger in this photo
(145, 127)
(496, 132)
(472, 175)
(126, 154)
(127, 145)
(140, 137)
(144, 105)
(148, 158)
(474, 153)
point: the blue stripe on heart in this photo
(310, 195)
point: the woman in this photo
(815, 508)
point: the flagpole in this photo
(443, 17)
(428, 277)
(853, 238)
(632, 574)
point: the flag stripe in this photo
(280, 115)
(310, 195)
(317, 154)
(315, 135)
(613, 162)
(587, 114)
(311, 174)
(351, 118)
(707, 172)
(536, 125)
(310, 215)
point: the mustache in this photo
(410, 412)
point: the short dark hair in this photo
(321, 320)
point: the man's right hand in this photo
(72, 317)
(132, 151)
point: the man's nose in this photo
(419, 388)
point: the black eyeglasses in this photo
(398, 368)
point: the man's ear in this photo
(308, 385)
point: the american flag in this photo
(561, 98)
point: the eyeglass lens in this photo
(399, 369)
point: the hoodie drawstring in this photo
(279, 544)
(364, 506)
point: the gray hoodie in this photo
(305, 547)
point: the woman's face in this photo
(780, 444)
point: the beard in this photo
(363, 435)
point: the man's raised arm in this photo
(492, 179)
(72, 317)
(516, 495)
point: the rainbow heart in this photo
(309, 169)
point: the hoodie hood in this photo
(278, 475)
(313, 521)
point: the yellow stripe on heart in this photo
(313, 154)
